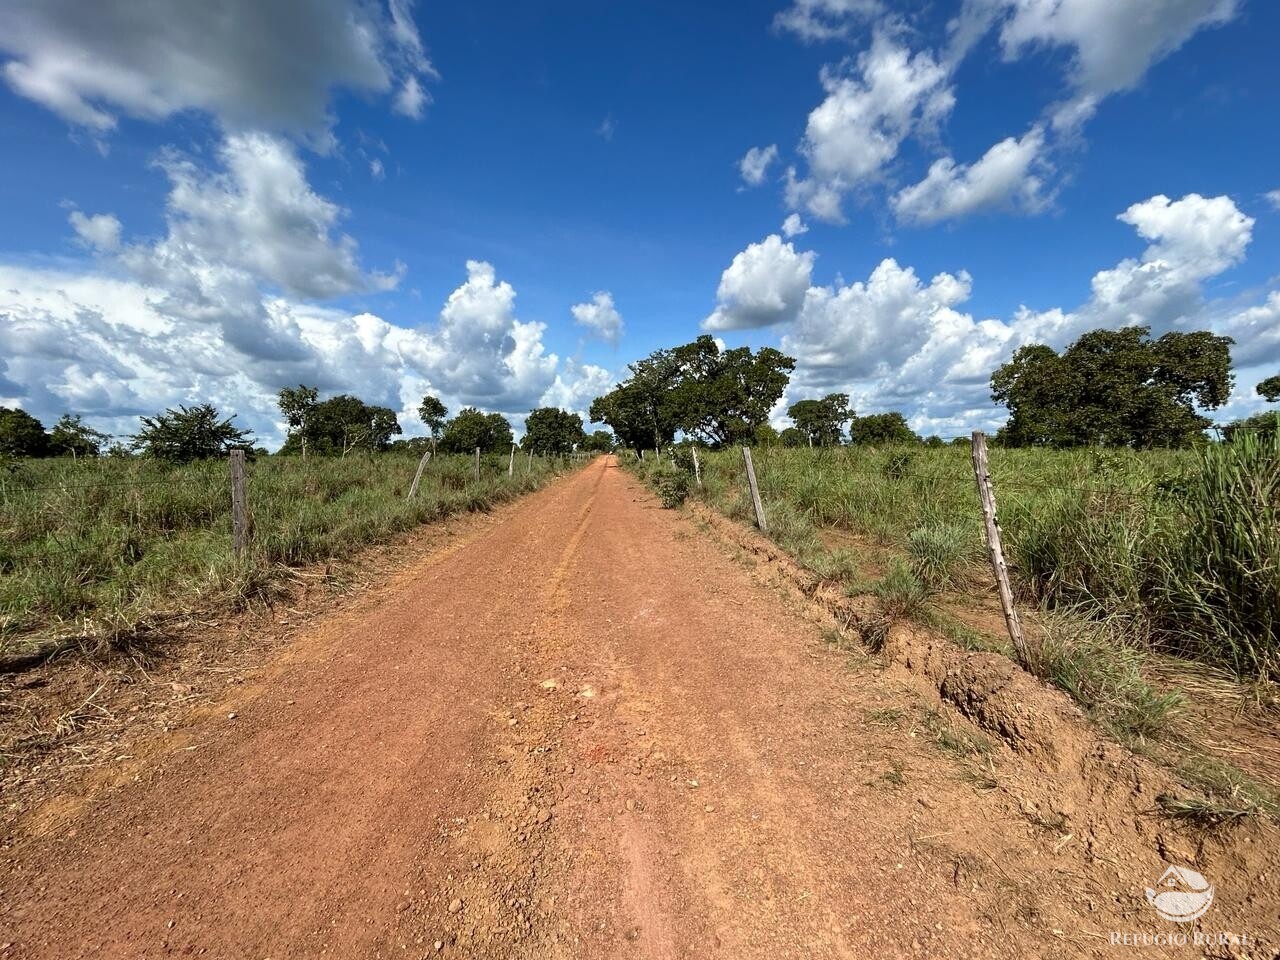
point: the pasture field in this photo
(93, 550)
(1183, 547)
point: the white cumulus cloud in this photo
(754, 165)
(99, 231)
(793, 226)
(858, 129)
(600, 316)
(765, 284)
(1008, 176)
(1113, 42)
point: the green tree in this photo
(433, 414)
(765, 436)
(189, 433)
(72, 436)
(598, 441)
(341, 425)
(793, 437)
(1114, 388)
(1269, 389)
(716, 396)
(297, 404)
(470, 429)
(722, 396)
(22, 435)
(881, 428)
(641, 410)
(822, 421)
(550, 430)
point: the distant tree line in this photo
(337, 426)
(1109, 387)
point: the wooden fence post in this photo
(477, 463)
(239, 508)
(511, 467)
(755, 491)
(417, 475)
(697, 469)
(530, 470)
(995, 550)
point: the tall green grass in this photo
(1182, 547)
(100, 548)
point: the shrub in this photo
(672, 486)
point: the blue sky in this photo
(293, 191)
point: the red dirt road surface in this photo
(586, 728)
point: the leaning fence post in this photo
(477, 463)
(511, 466)
(697, 470)
(417, 475)
(239, 509)
(755, 491)
(995, 550)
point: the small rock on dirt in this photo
(455, 906)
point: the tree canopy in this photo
(713, 395)
(471, 429)
(550, 430)
(822, 421)
(339, 425)
(190, 433)
(22, 435)
(71, 436)
(433, 414)
(1269, 389)
(1114, 388)
(881, 428)
(598, 441)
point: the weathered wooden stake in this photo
(530, 470)
(697, 469)
(417, 475)
(642, 453)
(511, 467)
(477, 463)
(239, 509)
(755, 491)
(995, 551)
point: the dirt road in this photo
(584, 730)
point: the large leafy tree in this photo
(792, 437)
(71, 436)
(598, 441)
(341, 425)
(1114, 388)
(190, 433)
(22, 435)
(822, 421)
(296, 406)
(550, 430)
(716, 396)
(1269, 389)
(642, 410)
(722, 396)
(881, 428)
(472, 428)
(433, 413)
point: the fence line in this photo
(240, 512)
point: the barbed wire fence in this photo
(228, 492)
